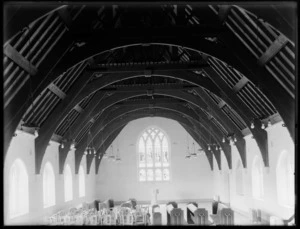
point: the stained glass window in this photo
(153, 156)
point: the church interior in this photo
(150, 114)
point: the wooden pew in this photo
(174, 214)
(224, 216)
(195, 215)
(156, 214)
(110, 203)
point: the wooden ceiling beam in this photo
(15, 110)
(20, 60)
(193, 65)
(240, 107)
(218, 135)
(224, 10)
(115, 113)
(66, 17)
(50, 125)
(226, 122)
(280, 42)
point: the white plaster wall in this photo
(190, 179)
(278, 140)
(22, 146)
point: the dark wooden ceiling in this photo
(79, 73)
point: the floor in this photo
(238, 218)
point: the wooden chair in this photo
(127, 204)
(126, 217)
(107, 220)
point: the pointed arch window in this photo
(257, 178)
(239, 179)
(81, 182)
(285, 180)
(18, 189)
(48, 185)
(153, 155)
(68, 183)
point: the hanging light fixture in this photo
(223, 139)
(216, 147)
(73, 144)
(193, 154)
(188, 155)
(234, 139)
(220, 148)
(208, 146)
(118, 158)
(111, 157)
(252, 125)
(62, 145)
(269, 123)
(263, 126)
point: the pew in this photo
(156, 215)
(195, 215)
(224, 216)
(174, 214)
(110, 203)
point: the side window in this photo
(68, 183)
(257, 178)
(48, 185)
(239, 179)
(18, 189)
(81, 182)
(285, 180)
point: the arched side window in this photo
(68, 183)
(48, 185)
(257, 178)
(285, 180)
(153, 155)
(18, 189)
(239, 179)
(81, 182)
